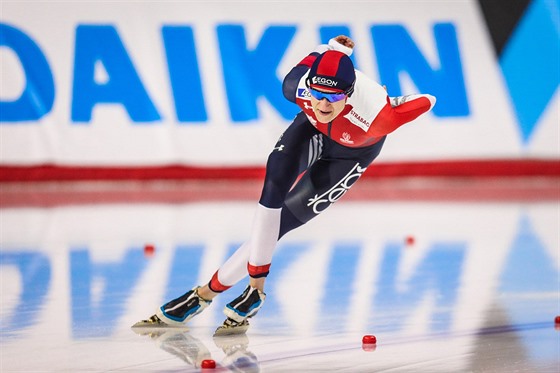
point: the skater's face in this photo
(325, 110)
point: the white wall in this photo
(111, 138)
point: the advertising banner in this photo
(199, 84)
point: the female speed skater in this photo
(344, 120)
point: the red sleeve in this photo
(390, 118)
(308, 61)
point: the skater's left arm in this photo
(391, 118)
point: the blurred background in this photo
(133, 139)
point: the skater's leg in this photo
(324, 183)
(264, 234)
(283, 167)
(261, 244)
(298, 146)
(231, 272)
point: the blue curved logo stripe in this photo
(530, 63)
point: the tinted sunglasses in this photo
(331, 97)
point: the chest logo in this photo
(345, 138)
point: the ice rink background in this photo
(465, 282)
(452, 274)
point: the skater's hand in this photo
(345, 40)
(342, 43)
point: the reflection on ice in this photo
(182, 344)
(469, 268)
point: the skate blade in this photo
(155, 322)
(229, 328)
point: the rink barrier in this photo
(457, 168)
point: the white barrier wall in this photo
(199, 83)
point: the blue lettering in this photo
(102, 44)
(35, 270)
(438, 273)
(531, 270)
(342, 273)
(329, 32)
(530, 63)
(396, 52)
(184, 74)
(37, 98)
(249, 74)
(96, 315)
(184, 270)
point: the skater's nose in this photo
(324, 104)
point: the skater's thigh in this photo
(289, 158)
(326, 181)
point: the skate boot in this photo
(177, 312)
(182, 309)
(239, 310)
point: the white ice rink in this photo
(450, 276)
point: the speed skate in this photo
(155, 322)
(232, 327)
(229, 327)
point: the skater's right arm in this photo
(341, 43)
(291, 81)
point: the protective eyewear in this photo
(331, 97)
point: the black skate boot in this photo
(182, 309)
(178, 311)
